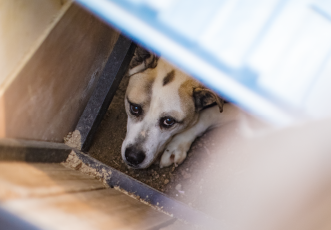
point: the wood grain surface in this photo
(51, 196)
(46, 97)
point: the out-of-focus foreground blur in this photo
(278, 179)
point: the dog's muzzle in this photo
(134, 156)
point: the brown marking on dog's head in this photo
(186, 99)
(169, 77)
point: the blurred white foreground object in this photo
(272, 58)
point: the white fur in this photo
(165, 100)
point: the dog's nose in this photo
(134, 156)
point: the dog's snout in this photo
(134, 156)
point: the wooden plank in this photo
(22, 180)
(22, 24)
(33, 151)
(101, 209)
(102, 96)
(46, 98)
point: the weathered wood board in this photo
(33, 151)
(51, 196)
(22, 180)
(22, 26)
(44, 100)
(101, 209)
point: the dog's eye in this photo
(167, 122)
(135, 110)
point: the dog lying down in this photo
(167, 110)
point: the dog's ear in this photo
(205, 98)
(142, 59)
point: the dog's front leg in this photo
(176, 150)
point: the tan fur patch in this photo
(185, 92)
(139, 90)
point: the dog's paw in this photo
(175, 153)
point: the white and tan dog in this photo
(167, 110)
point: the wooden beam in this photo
(25, 180)
(102, 96)
(33, 151)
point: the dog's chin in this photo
(131, 166)
(143, 166)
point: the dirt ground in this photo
(172, 181)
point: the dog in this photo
(167, 110)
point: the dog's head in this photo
(160, 101)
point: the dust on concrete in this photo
(73, 139)
(75, 163)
